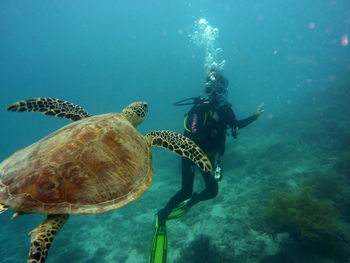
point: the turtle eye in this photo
(145, 107)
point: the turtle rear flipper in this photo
(3, 208)
(51, 106)
(181, 145)
(43, 235)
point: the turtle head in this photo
(136, 112)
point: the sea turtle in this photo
(93, 165)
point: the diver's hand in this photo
(260, 110)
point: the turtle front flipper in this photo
(3, 208)
(42, 237)
(51, 106)
(181, 145)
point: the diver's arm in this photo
(243, 123)
(255, 116)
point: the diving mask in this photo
(215, 88)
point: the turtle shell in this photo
(90, 166)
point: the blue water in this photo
(102, 55)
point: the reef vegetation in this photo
(310, 221)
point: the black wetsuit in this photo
(206, 124)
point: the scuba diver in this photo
(207, 124)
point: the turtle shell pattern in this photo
(90, 166)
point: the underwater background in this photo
(285, 193)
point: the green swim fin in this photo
(159, 245)
(180, 210)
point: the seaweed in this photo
(308, 220)
(302, 215)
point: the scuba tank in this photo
(194, 125)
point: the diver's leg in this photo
(210, 191)
(183, 194)
(159, 246)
